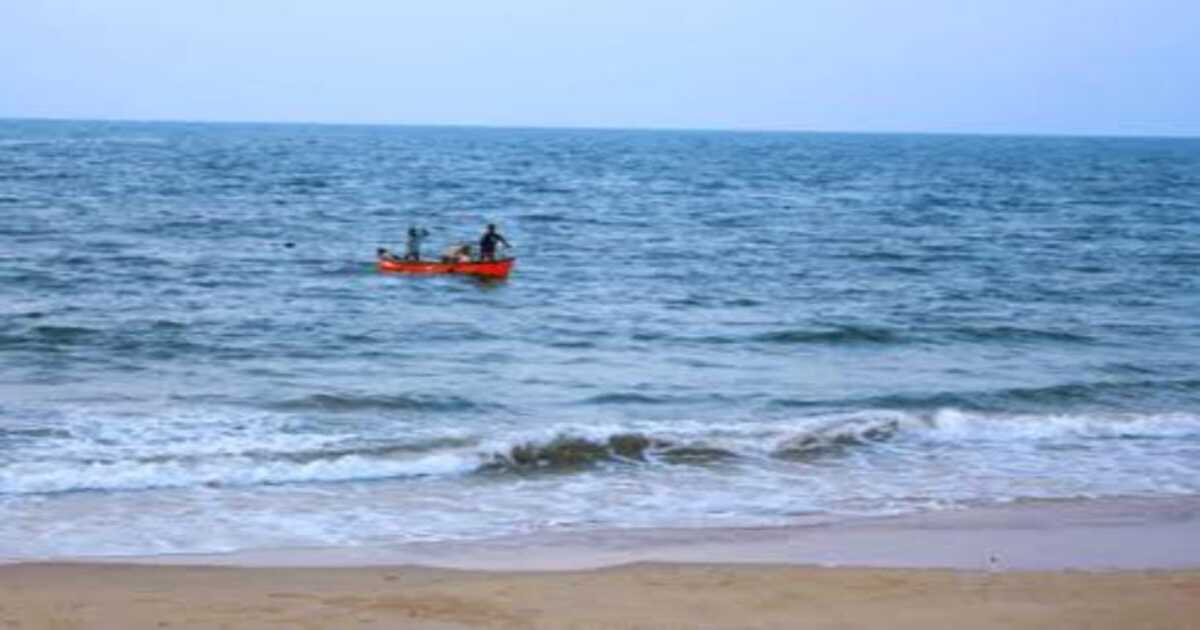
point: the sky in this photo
(1121, 67)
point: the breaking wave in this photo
(72, 462)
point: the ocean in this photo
(702, 330)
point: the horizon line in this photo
(681, 129)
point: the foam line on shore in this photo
(1126, 534)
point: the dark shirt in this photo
(488, 242)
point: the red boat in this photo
(482, 268)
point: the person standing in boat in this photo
(487, 244)
(412, 249)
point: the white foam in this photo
(952, 424)
(48, 477)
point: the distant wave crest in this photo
(865, 335)
(1116, 394)
(368, 402)
(840, 335)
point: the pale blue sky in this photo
(996, 66)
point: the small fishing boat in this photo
(483, 268)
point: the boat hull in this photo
(486, 268)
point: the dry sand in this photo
(632, 596)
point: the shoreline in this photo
(1103, 564)
(1039, 535)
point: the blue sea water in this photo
(703, 329)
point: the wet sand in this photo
(1142, 561)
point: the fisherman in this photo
(412, 249)
(487, 244)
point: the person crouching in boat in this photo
(386, 256)
(412, 248)
(487, 244)
(457, 253)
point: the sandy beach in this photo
(1128, 564)
(631, 596)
